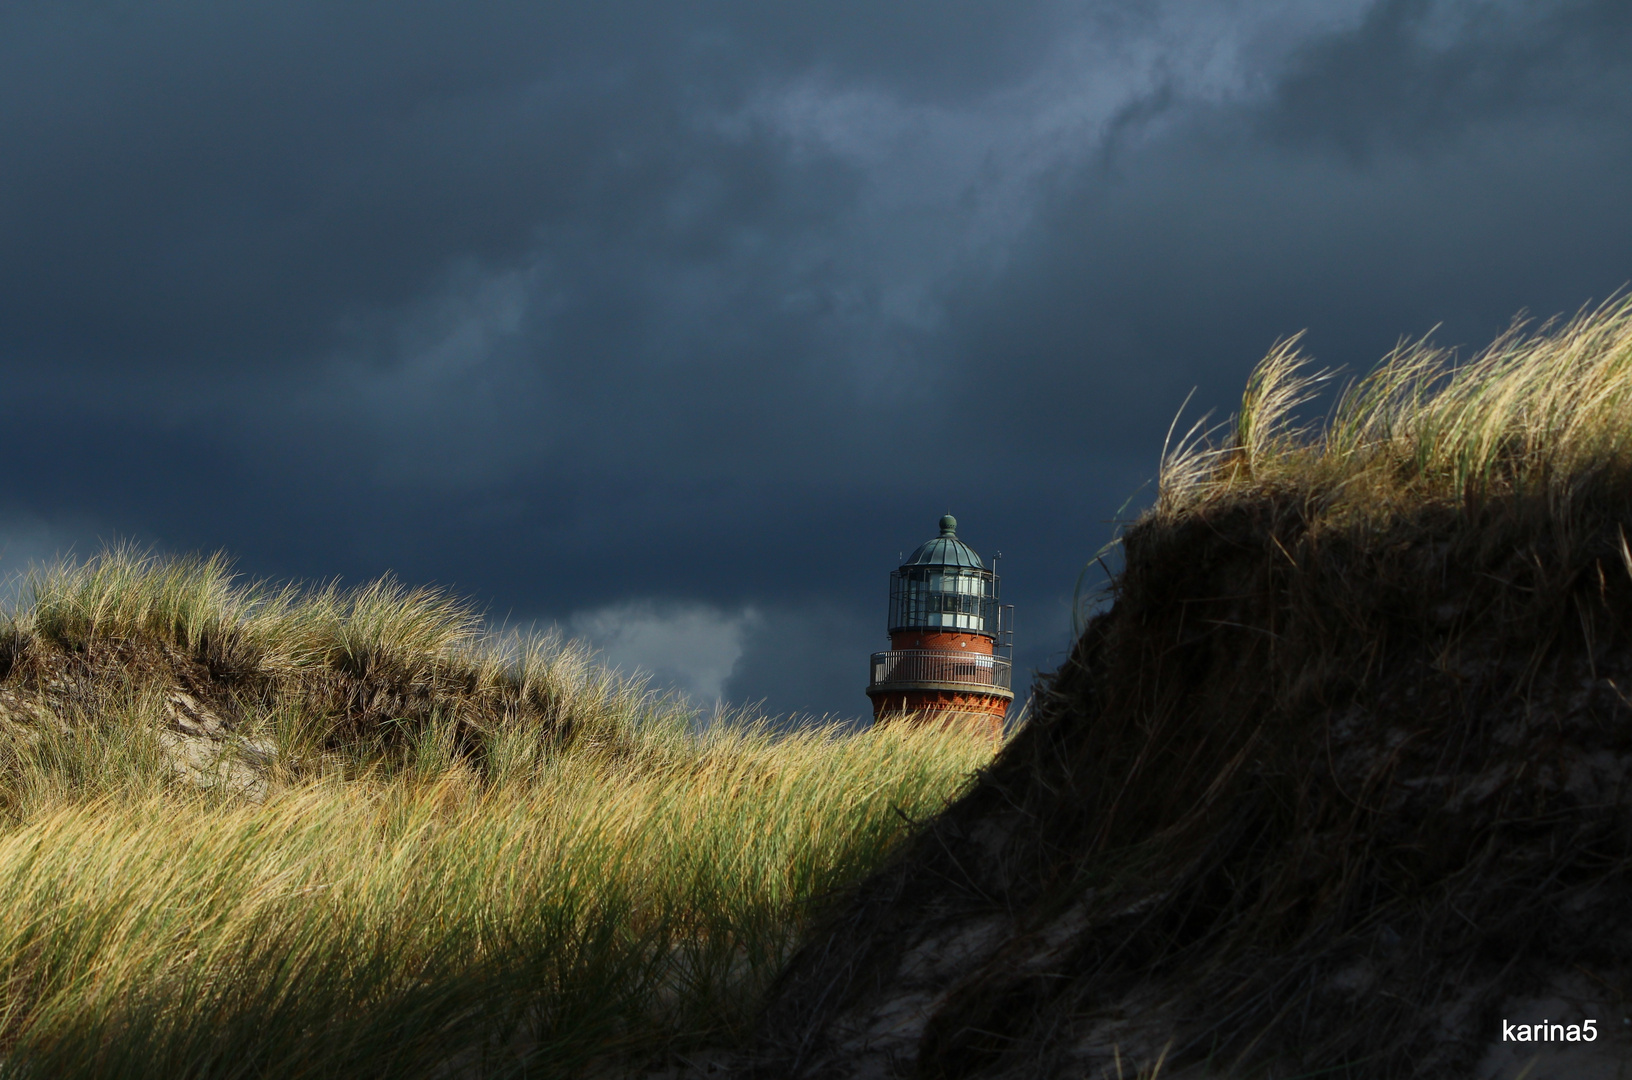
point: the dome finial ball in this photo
(949, 525)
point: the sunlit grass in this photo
(523, 866)
(1541, 415)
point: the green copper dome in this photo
(946, 549)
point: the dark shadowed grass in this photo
(1338, 775)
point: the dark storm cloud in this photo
(199, 182)
(1337, 200)
(684, 320)
(1416, 75)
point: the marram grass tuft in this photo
(253, 831)
(1539, 414)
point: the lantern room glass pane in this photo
(950, 598)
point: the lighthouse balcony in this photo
(937, 669)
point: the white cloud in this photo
(692, 648)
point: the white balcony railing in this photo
(903, 668)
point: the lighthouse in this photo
(945, 627)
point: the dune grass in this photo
(1340, 643)
(1541, 413)
(460, 857)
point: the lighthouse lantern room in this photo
(946, 626)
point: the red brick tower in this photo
(945, 627)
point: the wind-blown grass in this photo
(1336, 779)
(360, 669)
(518, 864)
(1538, 414)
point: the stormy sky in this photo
(675, 323)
